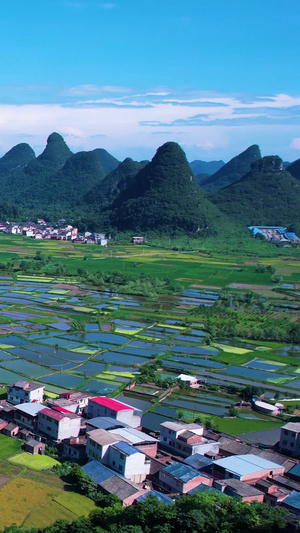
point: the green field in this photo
(8, 446)
(34, 462)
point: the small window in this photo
(284, 441)
(122, 456)
(291, 445)
(114, 463)
(286, 432)
(120, 468)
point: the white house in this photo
(25, 391)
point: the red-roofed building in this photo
(103, 406)
(58, 425)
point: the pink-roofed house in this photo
(58, 425)
(103, 406)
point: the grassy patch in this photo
(34, 462)
(233, 358)
(231, 349)
(8, 446)
(19, 497)
(45, 515)
(76, 503)
(236, 426)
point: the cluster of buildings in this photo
(44, 230)
(275, 234)
(106, 436)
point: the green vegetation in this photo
(8, 446)
(232, 171)
(267, 195)
(34, 462)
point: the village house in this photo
(74, 448)
(249, 468)
(103, 406)
(25, 391)
(190, 381)
(290, 439)
(34, 447)
(128, 461)
(178, 478)
(77, 397)
(26, 415)
(185, 439)
(140, 440)
(239, 489)
(57, 425)
(97, 444)
(103, 422)
(124, 489)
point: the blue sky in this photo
(128, 75)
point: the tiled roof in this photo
(126, 448)
(114, 405)
(245, 464)
(183, 472)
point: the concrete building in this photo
(103, 422)
(268, 408)
(103, 406)
(140, 440)
(25, 391)
(290, 439)
(34, 446)
(190, 381)
(81, 399)
(179, 478)
(97, 444)
(75, 448)
(124, 489)
(185, 439)
(249, 468)
(26, 415)
(128, 461)
(58, 426)
(239, 489)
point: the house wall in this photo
(129, 501)
(173, 484)
(59, 429)
(28, 422)
(17, 396)
(134, 467)
(95, 451)
(148, 449)
(290, 442)
(131, 417)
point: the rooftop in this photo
(30, 408)
(245, 464)
(158, 495)
(126, 448)
(98, 472)
(292, 426)
(134, 436)
(57, 415)
(103, 437)
(27, 385)
(178, 426)
(198, 461)
(181, 471)
(239, 488)
(114, 405)
(105, 422)
(121, 487)
(293, 500)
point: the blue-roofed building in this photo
(98, 472)
(158, 495)
(179, 478)
(274, 233)
(294, 473)
(249, 468)
(199, 462)
(292, 502)
(103, 422)
(128, 461)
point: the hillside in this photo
(164, 196)
(80, 173)
(18, 157)
(107, 161)
(206, 167)
(267, 195)
(294, 169)
(114, 183)
(233, 171)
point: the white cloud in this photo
(295, 144)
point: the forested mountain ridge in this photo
(232, 171)
(267, 195)
(114, 183)
(164, 196)
(18, 157)
(205, 167)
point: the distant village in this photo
(58, 232)
(275, 234)
(125, 459)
